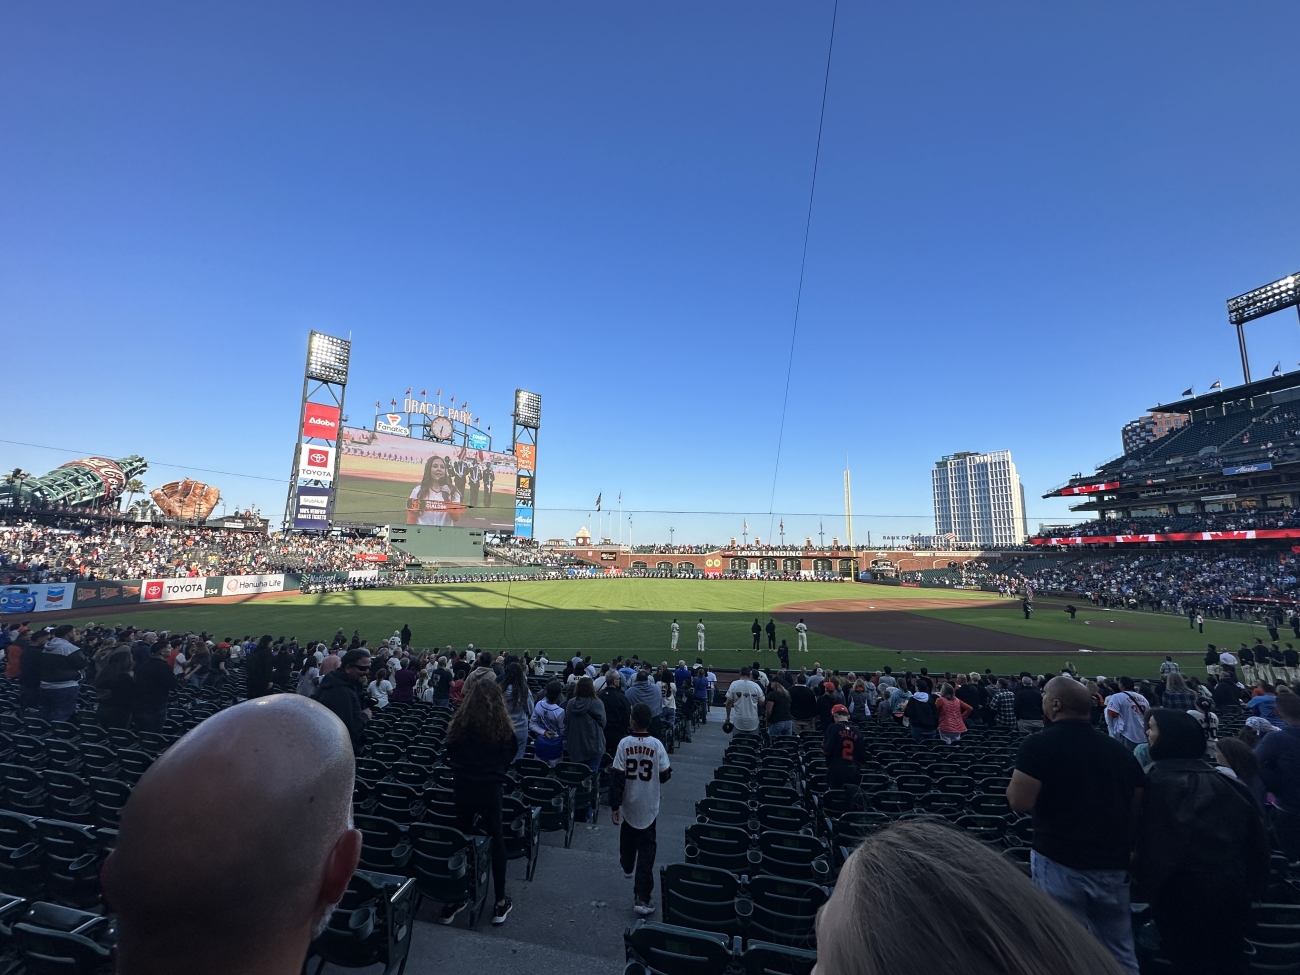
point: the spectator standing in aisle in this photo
(700, 694)
(952, 714)
(1278, 755)
(1003, 705)
(1080, 788)
(779, 722)
(519, 704)
(922, 716)
(340, 691)
(744, 697)
(260, 669)
(1126, 715)
(480, 747)
(1198, 829)
(115, 683)
(1029, 706)
(61, 668)
(618, 711)
(154, 683)
(547, 724)
(640, 768)
(844, 751)
(673, 630)
(584, 731)
(289, 848)
(645, 691)
(802, 706)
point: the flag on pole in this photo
(598, 497)
(620, 497)
(1277, 369)
(424, 392)
(439, 393)
(783, 526)
(746, 525)
(1216, 385)
(1188, 391)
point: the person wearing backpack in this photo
(1126, 715)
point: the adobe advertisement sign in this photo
(316, 463)
(321, 422)
(311, 511)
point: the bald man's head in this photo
(236, 841)
(1065, 699)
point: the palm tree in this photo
(14, 480)
(144, 509)
(132, 488)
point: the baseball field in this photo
(851, 627)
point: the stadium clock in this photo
(441, 428)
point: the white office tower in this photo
(978, 498)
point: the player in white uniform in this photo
(640, 767)
(673, 629)
(802, 629)
(699, 636)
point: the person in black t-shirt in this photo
(1081, 787)
(779, 722)
(844, 751)
(803, 705)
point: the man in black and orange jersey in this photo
(844, 751)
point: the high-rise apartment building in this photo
(1148, 428)
(979, 498)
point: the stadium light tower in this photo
(527, 418)
(309, 505)
(1283, 293)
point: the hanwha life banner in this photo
(251, 585)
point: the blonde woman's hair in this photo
(983, 917)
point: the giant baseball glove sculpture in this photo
(187, 500)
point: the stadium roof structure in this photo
(1233, 394)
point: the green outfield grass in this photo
(1107, 629)
(623, 616)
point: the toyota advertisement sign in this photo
(316, 463)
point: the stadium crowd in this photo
(1226, 521)
(1174, 789)
(73, 550)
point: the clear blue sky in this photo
(1028, 218)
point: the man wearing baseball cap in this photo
(844, 751)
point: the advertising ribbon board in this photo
(107, 593)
